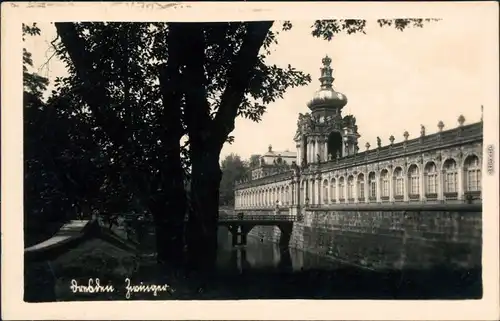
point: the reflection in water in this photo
(261, 270)
(258, 255)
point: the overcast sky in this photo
(394, 81)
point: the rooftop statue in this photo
(422, 130)
(300, 122)
(349, 121)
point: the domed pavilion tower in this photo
(323, 134)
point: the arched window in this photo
(472, 169)
(398, 183)
(430, 172)
(303, 192)
(414, 178)
(335, 145)
(312, 199)
(372, 187)
(450, 176)
(350, 187)
(325, 191)
(341, 189)
(384, 184)
(333, 191)
(361, 187)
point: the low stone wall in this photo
(388, 239)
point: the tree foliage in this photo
(61, 159)
(33, 83)
(254, 160)
(118, 74)
(233, 170)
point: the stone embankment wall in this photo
(388, 239)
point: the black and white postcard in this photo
(234, 160)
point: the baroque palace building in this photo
(328, 169)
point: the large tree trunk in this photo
(204, 209)
(207, 135)
(169, 211)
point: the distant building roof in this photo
(286, 153)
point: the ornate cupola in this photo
(327, 99)
(324, 134)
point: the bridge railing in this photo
(257, 217)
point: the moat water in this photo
(262, 270)
(263, 255)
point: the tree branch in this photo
(239, 77)
(170, 120)
(93, 91)
(197, 109)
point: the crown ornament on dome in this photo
(326, 78)
(326, 61)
